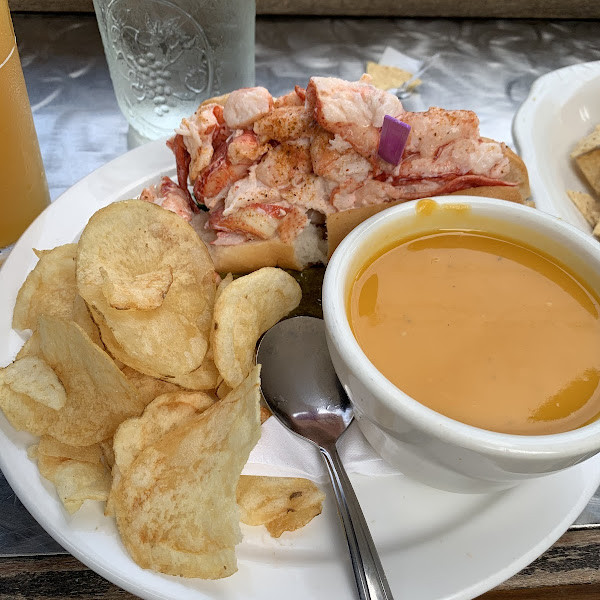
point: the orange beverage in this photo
(23, 187)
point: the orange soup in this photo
(483, 330)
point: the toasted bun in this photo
(340, 224)
(310, 247)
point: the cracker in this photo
(589, 165)
(386, 77)
(587, 205)
(588, 143)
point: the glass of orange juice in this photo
(23, 186)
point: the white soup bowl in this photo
(422, 443)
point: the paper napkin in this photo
(281, 453)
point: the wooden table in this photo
(570, 570)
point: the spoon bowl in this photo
(299, 383)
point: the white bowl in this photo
(562, 107)
(423, 444)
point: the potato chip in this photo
(110, 344)
(77, 482)
(386, 77)
(148, 387)
(123, 247)
(205, 377)
(144, 291)
(176, 505)
(48, 465)
(99, 396)
(25, 414)
(279, 503)
(587, 205)
(49, 446)
(51, 454)
(223, 389)
(108, 453)
(78, 473)
(160, 416)
(245, 309)
(33, 377)
(81, 316)
(49, 289)
(31, 347)
(223, 284)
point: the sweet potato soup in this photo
(483, 330)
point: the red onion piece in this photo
(392, 141)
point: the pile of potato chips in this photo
(139, 378)
(586, 156)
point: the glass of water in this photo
(165, 57)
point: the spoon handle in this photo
(368, 572)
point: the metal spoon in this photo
(302, 390)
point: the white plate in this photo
(562, 107)
(434, 545)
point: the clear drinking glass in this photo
(23, 186)
(167, 56)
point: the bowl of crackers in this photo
(557, 132)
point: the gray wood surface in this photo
(547, 9)
(570, 569)
(574, 560)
